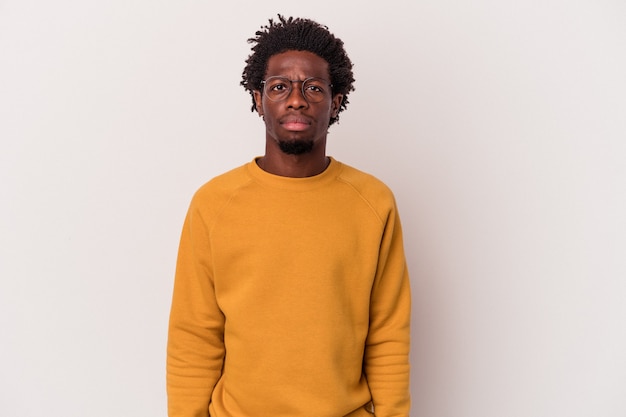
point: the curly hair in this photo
(298, 34)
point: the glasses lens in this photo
(279, 88)
(315, 89)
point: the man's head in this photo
(297, 34)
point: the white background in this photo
(500, 126)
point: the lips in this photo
(295, 123)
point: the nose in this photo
(296, 97)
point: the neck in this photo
(296, 166)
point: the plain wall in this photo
(500, 126)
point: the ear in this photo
(336, 105)
(258, 102)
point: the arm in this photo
(386, 362)
(195, 350)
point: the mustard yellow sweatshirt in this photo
(291, 299)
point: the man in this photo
(291, 295)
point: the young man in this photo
(291, 295)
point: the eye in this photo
(278, 86)
(314, 88)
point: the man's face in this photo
(296, 124)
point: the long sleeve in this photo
(386, 361)
(195, 351)
(291, 299)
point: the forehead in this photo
(297, 65)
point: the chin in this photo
(296, 147)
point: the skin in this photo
(295, 119)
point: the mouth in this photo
(295, 124)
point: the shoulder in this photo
(216, 193)
(225, 183)
(365, 184)
(370, 188)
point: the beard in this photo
(296, 147)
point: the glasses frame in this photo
(302, 83)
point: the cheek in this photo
(266, 111)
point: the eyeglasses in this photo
(278, 88)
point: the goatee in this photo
(296, 147)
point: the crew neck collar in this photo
(294, 184)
